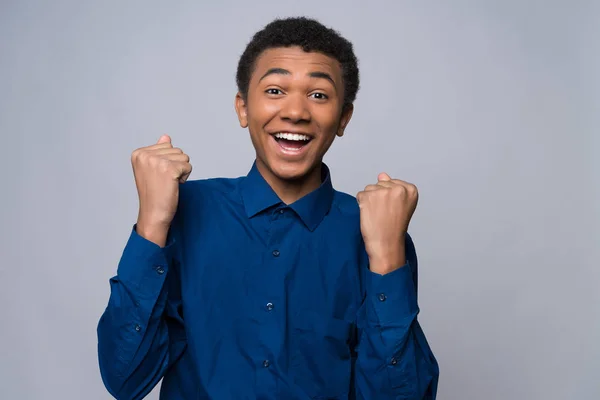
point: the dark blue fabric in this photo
(253, 299)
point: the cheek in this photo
(261, 111)
(328, 121)
(328, 114)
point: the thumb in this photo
(383, 177)
(164, 139)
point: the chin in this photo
(290, 171)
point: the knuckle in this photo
(150, 159)
(135, 155)
(144, 157)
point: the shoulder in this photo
(345, 214)
(194, 192)
(210, 185)
(347, 207)
(346, 204)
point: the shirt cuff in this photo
(393, 296)
(144, 264)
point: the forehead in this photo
(297, 61)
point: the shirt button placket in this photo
(275, 265)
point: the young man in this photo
(273, 285)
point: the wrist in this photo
(387, 261)
(153, 231)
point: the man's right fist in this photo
(158, 171)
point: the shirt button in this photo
(382, 297)
(270, 306)
(394, 361)
(281, 211)
(160, 270)
(276, 253)
(138, 328)
(266, 363)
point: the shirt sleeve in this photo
(394, 360)
(136, 342)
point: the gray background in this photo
(490, 107)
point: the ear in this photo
(345, 118)
(241, 109)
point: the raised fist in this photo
(158, 171)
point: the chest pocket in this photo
(321, 357)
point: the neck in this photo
(290, 191)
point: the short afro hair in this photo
(311, 36)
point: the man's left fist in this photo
(385, 212)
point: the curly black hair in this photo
(308, 34)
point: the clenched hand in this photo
(386, 209)
(158, 171)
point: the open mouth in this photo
(292, 142)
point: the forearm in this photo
(394, 360)
(132, 335)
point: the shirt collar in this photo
(312, 208)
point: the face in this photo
(294, 110)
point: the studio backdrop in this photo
(490, 107)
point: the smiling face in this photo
(293, 110)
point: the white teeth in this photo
(291, 136)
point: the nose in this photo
(295, 109)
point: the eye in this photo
(319, 96)
(273, 91)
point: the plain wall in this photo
(490, 107)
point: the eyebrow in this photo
(316, 74)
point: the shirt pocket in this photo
(321, 358)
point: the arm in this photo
(140, 333)
(394, 360)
